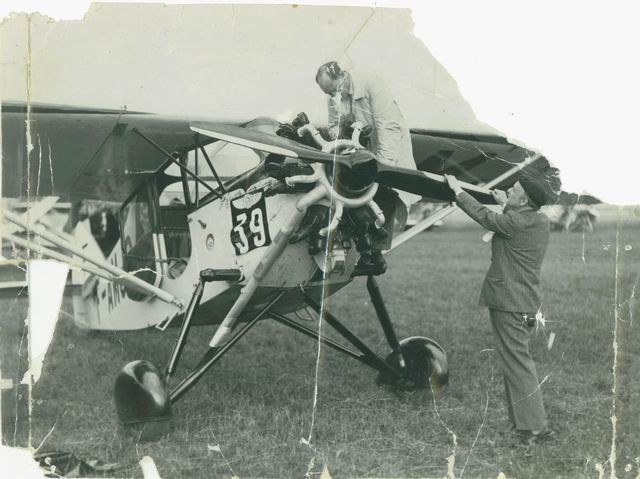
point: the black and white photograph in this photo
(319, 241)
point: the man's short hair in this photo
(332, 69)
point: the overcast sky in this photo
(560, 76)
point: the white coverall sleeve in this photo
(388, 123)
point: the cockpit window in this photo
(139, 254)
(136, 227)
(228, 159)
(232, 160)
(175, 228)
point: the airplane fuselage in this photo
(232, 232)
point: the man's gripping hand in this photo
(453, 183)
(500, 197)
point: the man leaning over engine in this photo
(360, 97)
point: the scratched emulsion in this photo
(29, 152)
(614, 368)
(477, 436)
(46, 282)
(326, 262)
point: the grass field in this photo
(258, 402)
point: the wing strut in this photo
(119, 275)
(213, 170)
(44, 251)
(173, 160)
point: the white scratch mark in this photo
(218, 449)
(120, 341)
(484, 419)
(28, 128)
(541, 320)
(134, 272)
(51, 430)
(321, 315)
(632, 299)
(552, 337)
(355, 35)
(149, 469)
(50, 166)
(534, 390)
(38, 238)
(310, 466)
(451, 459)
(317, 373)
(19, 463)
(614, 368)
(325, 473)
(39, 165)
(46, 280)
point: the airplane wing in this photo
(100, 154)
(472, 158)
(82, 152)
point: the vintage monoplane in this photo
(227, 223)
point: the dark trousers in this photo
(395, 215)
(524, 395)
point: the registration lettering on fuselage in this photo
(112, 293)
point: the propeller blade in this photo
(427, 184)
(417, 182)
(262, 141)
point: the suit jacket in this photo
(517, 250)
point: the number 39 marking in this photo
(242, 246)
(250, 230)
(257, 228)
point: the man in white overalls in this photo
(359, 96)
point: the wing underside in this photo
(84, 153)
(475, 159)
(106, 154)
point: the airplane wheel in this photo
(425, 366)
(142, 401)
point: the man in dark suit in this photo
(511, 291)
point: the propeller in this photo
(361, 162)
(259, 140)
(427, 184)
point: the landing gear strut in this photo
(414, 363)
(141, 393)
(143, 399)
(422, 361)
